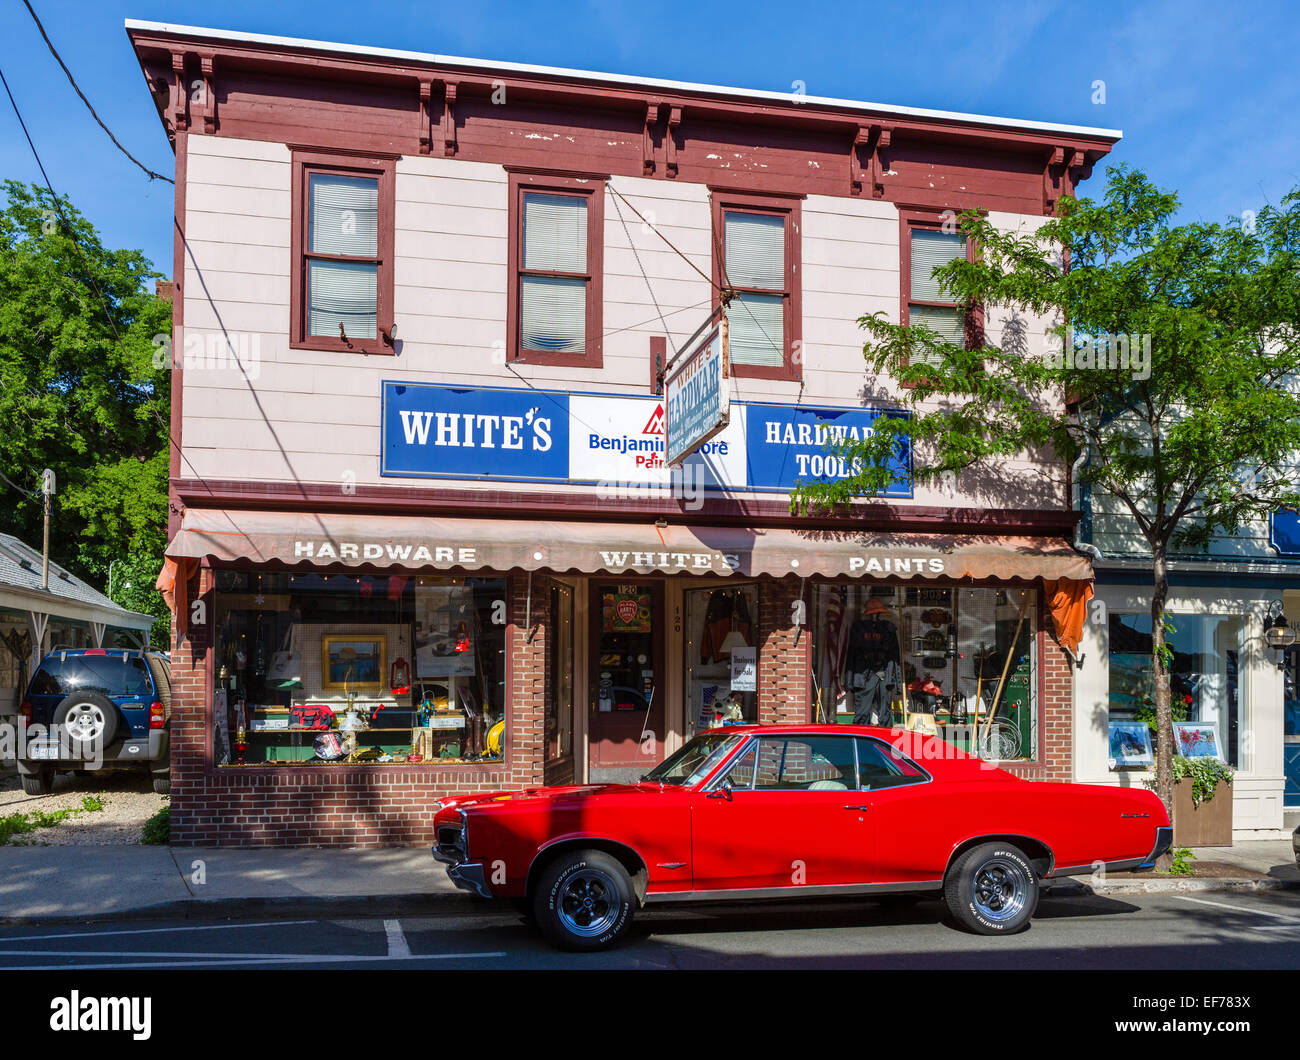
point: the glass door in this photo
(1291, 728)
(626, 725)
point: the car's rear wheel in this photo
(584, 900)
(37, 780)
(992, 889)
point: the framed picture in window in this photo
(1130, 745)
(1197, 739)
(353, 663)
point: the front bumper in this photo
(467, 875)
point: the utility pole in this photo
(47, 489)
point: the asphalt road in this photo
(1215, 931)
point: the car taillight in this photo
(156, 718)
(26, 710)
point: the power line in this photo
(73, 81)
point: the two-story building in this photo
(422, 309)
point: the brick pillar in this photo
(530, 630)
(189, 716)
(1056, 740)
(783, 695)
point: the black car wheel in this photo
(37, 780)
(88, 719)
(584, 901)
(162, 782)
(992, 889)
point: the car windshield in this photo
(696, 760)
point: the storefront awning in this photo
(381, 542)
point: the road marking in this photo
(397, 946)
(225, 960)
(1238, 908)
(151, 931)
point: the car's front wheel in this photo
(992, 889)
(584, 901)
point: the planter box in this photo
(1207, 825)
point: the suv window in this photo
(112, 675)
(809, 763)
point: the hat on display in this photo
(875, 606)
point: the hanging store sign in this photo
(1284, 533)
(697, 395)
(518, 434)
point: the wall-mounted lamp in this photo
(1279, 636)
(389, 336)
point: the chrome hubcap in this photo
(1001, 889)
(589, 903)
(84, 722)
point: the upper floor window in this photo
(555, 262)
(343, 252)
(758, 238)
(925, 301)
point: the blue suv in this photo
(97, 708)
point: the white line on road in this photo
(150, 931)
(397, 946)
(1238, 908)
(225, 960)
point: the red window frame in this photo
(933, 221)
(788, 207)
(577, 185)
(382, 168)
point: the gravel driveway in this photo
(129, 801)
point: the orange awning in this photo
(432, 543)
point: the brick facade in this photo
(783, 655)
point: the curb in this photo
(403, 905)
(1166, 886)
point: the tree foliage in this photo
(1195, 439)
(80, 392)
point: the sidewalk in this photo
(81, 883)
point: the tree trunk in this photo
(1164, 708)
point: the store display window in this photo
(1203, 679)
(333, 669)
(721, 657)
(957, 662)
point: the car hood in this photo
(566, 792)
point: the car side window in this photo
(880, 767)
(805, 763)
(741, 774)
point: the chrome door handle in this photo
(857, 808)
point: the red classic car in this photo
(793, 811)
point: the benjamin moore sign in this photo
(522, 434)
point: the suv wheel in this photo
(162, 783)
(89, 720)
(584, 901)
(37, 780)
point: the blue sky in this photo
(1207, 94)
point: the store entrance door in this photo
(1291, 728)
(627, 689)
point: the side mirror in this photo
(723, 790)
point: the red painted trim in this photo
(506, 503)
(790, 209)
(375, 165)
(578, 185)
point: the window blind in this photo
(930, 250)
(555, 233)
(755, 250)
(339, 291)
(344, 215)
(553, 314)
(756, 329)
(949, 324)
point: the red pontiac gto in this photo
(793, 811)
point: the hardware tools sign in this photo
(521, 434)
(697, 397)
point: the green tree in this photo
(1198, 441)
(80, 392)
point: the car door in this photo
(790, 817)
